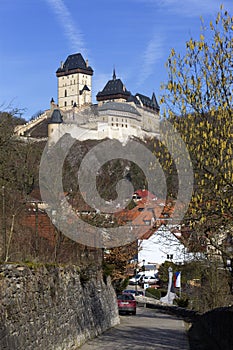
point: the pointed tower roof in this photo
(154, 102)
(56, 117)
(74, 64)
(147, 102)
(114, 89)
(114, 74)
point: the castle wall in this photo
(21, 129)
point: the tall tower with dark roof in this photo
(114, 90)
(74, 82)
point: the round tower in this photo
(54, 127)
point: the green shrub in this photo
(182, 302)
(152, 292)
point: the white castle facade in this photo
(117, 114)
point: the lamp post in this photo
(229, 264)
(143, 265)
(136, 266)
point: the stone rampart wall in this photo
(48, 307)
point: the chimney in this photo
(86, 63)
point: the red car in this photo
(126, 303)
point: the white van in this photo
(135, 279)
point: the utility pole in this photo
(136, 265)
(4, 223)
(36, 229)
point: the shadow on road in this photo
(146, 330)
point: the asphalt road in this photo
(149, 329)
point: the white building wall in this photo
(161, 243)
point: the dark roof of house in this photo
(134, 99)
(114, 88)
(74, 63)
(149, 102)
(145, 194)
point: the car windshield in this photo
(125, 297)
(131, 291)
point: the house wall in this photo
(161, 243)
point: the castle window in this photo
(112, 124)
(122, 125)
(126, 125)
(116, 124)
(65, 104)
(65, 93)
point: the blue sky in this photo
(134, 36)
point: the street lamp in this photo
(229, 265)
(143, 265)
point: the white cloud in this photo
(152, 54)
(71, 31)
(189, 8)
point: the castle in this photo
(118, 114)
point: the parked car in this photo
(141, 293)
(149, 280)
(126, 303)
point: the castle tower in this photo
(74, 82)
(54, 126)
(114, 90)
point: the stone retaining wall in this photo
(52, 307)
(212, 330)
